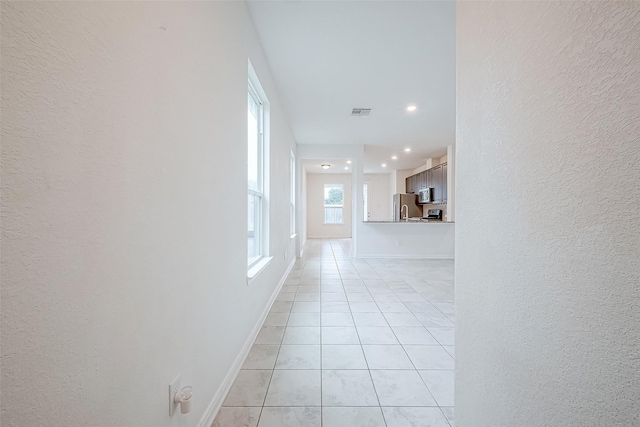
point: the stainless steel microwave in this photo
(424, 195)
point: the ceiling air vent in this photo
(360, 112)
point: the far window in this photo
(333, 203)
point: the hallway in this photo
(351, 342)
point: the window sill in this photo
(257, 268)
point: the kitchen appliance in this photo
(425, 196)
(434, 214)
(412, 210)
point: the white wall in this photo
(316, 228)
(547, 293)
(380, 205)
(123, 209)
(401, 183)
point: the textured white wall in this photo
(316, 228)
(124, 207)
(547, 292)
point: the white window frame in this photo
(325, 206)
(260, 235)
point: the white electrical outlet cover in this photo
(174, 387)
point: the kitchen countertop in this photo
(420, 221)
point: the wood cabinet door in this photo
(436, 174)
(444, 182)
(409, 185)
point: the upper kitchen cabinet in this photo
(435, 178)
(444, 182)
(436, 183)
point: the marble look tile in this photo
(302, 335)
(276, 319)
(352, 417)
(343, 357)
(348, 388)
(429, 357)
(359, 296)
(249, 388)
(378, 297)
(445, 336)
(281, 307)
(369, 319)
(377, 335)
(299, 357)
(286, 296)
(434, 320)
(414, 417)
(401, 319)
(449, 413)
(305, 307)
(401, 388)
(294, 388)
(270, 335)
(261, 356)
(386, 357)
(355, 289)
(304, 319)
(336, 319)
(291, 417)
(334, 296)
(440, 384)
(421, 307)
(392, 307)
(307, 296)
(451, 350)
(327, 289)
(290, 288)
(237, 417)
(334, 307)
(363, 307)
(414, 335)
(309, 289)
(339, 335)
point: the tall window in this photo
(292, 208)
(255, 159)
(333, 203)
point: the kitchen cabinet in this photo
(422, 180)
(444, 182)
(435, 178)
(436, 174)
(410, 185)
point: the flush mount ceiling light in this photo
(384, 165)
(411, 108)
(325, 166)
(406, 150)
(394, 157)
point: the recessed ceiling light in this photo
(348, 162)
(346, 168)
(325, 166)
(384, 165)
(411, 108)
(394, 157)
(406, 150)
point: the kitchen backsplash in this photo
(442, 206)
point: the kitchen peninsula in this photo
(430, 239)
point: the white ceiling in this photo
(337, 166)
(330, 57)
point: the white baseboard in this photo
(214, 406)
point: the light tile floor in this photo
(351, 343)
